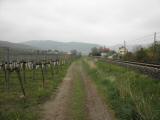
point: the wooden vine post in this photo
(24, 70)
(7, 72)
(43, 78)
(5, 75)
(20, 81)
(52, 73)
(45, 69)
(57, 69)
(34, 68)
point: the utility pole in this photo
(125, 47)
(154, 47)
(155, 37)
(124, 44)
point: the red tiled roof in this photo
(104, 49)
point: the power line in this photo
(158, 32)
(143, 38)
(146, 37)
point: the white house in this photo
(122, 51)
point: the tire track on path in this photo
(97, 109)
(57, 107)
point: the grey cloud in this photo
(97, 21)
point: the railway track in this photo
(155, 66)
(152, 70)
(133, 63)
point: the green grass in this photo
(13, 107)
(78, 107)
(131, 95)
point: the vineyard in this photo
(27, 79)
(37, 85)
(79, 60)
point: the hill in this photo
(16, 46)
(84, 48)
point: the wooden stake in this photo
(20, 81)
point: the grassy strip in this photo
(131, 95)
(78, 107)
(13, 107)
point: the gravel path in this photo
(57, 108)
(97, 109)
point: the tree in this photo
(95, 51)
(141, 55)
(129, 56)
(74, 52)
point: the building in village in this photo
(104, 51)
(107, 52)
(122, 51)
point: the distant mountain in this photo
(16, 46)
(84, 48)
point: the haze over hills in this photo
(84, 48)
(15, 45)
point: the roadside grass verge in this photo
(131, 95)
(78, 108)
(13, 107)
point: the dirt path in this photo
(97, 110)
(57, 108)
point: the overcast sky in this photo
(105, 22)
